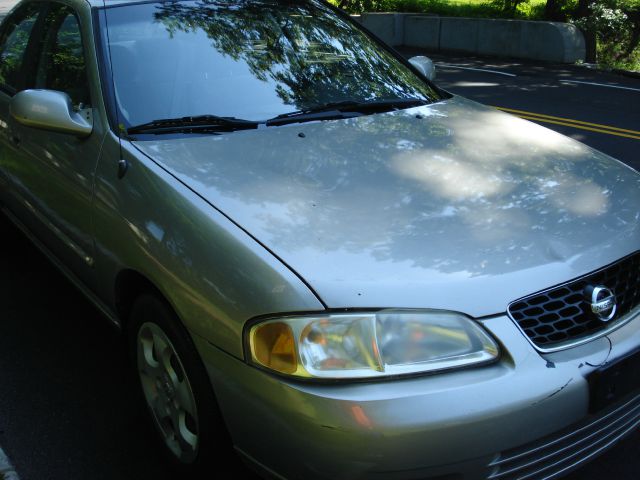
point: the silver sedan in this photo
(319, 257)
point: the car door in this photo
(52, 173)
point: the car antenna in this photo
(123, 164)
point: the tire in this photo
(175, 390)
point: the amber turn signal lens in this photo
(274, 347)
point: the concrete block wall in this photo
(547, 41)
(388, 26)
(499, 38)
(422, 31)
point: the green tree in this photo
(359, 6)
(611, 28)
(509, 7)
(556, 10)
(632, 12)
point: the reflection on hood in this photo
(397, 210)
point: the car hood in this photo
(452, 206)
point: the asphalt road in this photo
(599, 109)
(67, 408)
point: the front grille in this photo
(560, 453)
(562, 314)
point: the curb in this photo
(626, 73)
(617, 71)
(7, 471)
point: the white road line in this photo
(6, 469)
(601, 85)
(440, 64)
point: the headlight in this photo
(361, 345)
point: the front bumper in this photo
(461, 424)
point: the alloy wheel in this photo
(168, 392)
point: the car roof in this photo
(91, 3)
(100, 3)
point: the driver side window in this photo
(13, 47)
(62, 63)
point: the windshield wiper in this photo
(329, 111)
(344, 109)
(197, 124)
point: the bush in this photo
(616, 26)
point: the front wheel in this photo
(175, 388)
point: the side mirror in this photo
(425, 66)
(49, 110)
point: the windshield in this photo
(245, 59)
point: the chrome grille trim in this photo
(621, 322)
(631, 293)
(564, 451)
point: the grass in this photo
(531, 10)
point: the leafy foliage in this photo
(14, 46)
(62, 66)
(510, 6)
(616, 26)
(606, 19)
